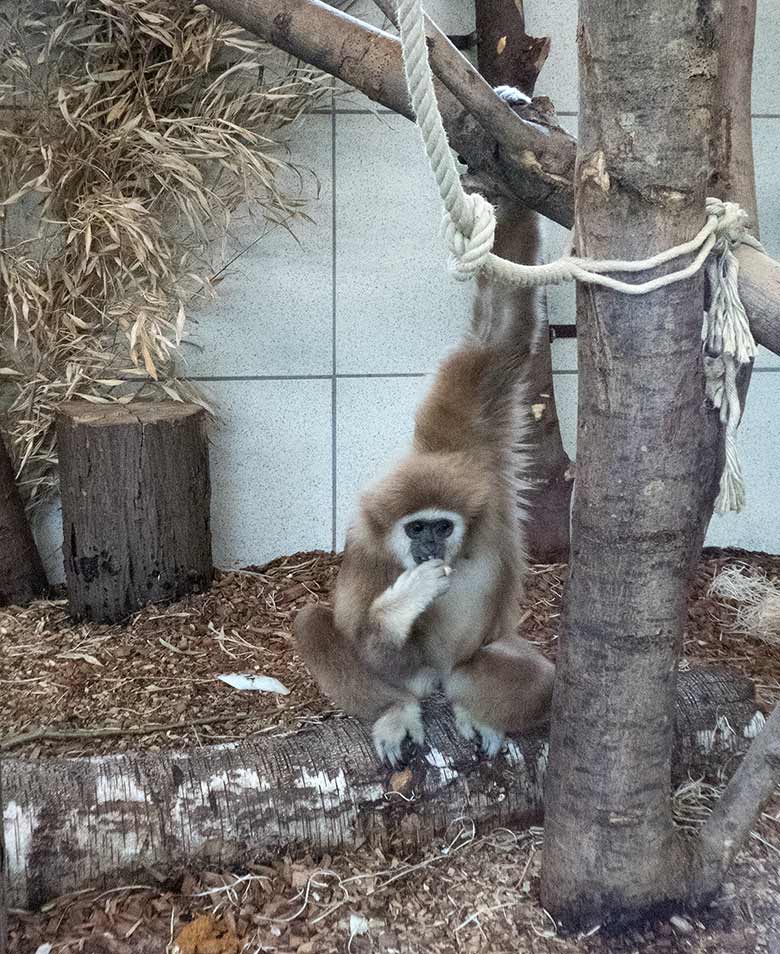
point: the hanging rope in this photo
(469, 226)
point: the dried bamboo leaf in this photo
(149, 124)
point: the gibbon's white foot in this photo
(392, 729)
(489, 740)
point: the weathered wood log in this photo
(98, 821)
(22, 577)
(135, 505)
(536, 162)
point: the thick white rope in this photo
(469, 226)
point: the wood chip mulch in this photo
(468, 894)
(71, 689)
(465, 895)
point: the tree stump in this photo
(135, 493)
(21, 572)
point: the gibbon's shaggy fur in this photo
(427, 595)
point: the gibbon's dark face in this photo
(428, 538)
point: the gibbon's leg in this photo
(355, 688)
(505, 687)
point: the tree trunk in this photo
(22, 577)
(610, 846)
(135, 505)
(104, 821)
(550, 481)
(733, 178)
(532, 158)
(507, 56)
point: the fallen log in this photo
(105, 821)
(535, 160)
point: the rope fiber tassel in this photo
(469, 226)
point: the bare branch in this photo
(740, 805)
(538, 166)
(540, 172)
(735, 172)
(759, 288)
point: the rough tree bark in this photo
(101, 821)
(22, 577)
(506, 55)
(610, 847)
(733, 177)
(734, 174)
(135, 490)
(532, 158)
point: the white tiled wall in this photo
(317, 349)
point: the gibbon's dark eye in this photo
(443, 528)
(414, 529)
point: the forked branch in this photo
(370, 60)
(538, 165)
(727, 829)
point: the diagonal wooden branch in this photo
(370, 60)
(538, 166)
(727, 829)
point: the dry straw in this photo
(135, 130)
(757, 600)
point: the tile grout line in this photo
(334, 377)
(358, 376)
(383, 111)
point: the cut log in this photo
(69, 823)
(135, 505)
(22, 577)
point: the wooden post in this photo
(21, 571)
(135, 505)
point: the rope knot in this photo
(732, 223)
(469, 250)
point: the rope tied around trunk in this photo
(469, 226)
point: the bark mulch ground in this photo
(81, 689)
